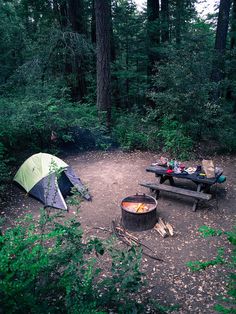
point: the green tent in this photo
(38, 175)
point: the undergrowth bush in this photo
(142, 131)
(129, 131)
(26, 121)
(4, 169)
(47, 267)
(184, 109)
(174, 139)
(226, 303)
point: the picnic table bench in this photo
(203, 184)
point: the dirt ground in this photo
(111, 176)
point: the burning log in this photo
(136, 207)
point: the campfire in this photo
(139, 212)
(136, 207)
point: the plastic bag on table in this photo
(209, 168)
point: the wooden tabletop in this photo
(193, 177)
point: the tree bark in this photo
(220, 40)
(178, 12)
(233, 27)
(76, 19)
(63, 20)
(112, 39)
(165, 35)
(76, 16)
(103, 32)
(93, 24)
(231, 94)
(222, 25)
(153, 32)
(152, 10)
(55, 8)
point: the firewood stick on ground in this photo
(130, 241)
(120, 228)
(123, 230)
(133, 238)
(170, 229)
(166, 226)
(126, 240)
(159, 228)
(144, 253)
(161, 222)
(130, 235)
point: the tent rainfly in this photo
(49, 179)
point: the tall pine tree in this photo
(103, 44)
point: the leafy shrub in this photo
(197, 265)
(47, 267)
(174, 139)
(132, 131)
(4, 169)
(182, 90)
(27, 122)
(136, 131)
(228, 302)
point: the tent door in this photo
(64, 184)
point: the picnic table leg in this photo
(164, 178)
(196, 201)
(155, 193)
(207, 188)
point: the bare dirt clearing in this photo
(111, 176)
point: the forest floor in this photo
(111, 176)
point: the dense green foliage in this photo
(48, 80)
(227, 303)
(46, 266)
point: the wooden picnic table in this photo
(203, 184)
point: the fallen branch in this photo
(132, 237)
(131, 240)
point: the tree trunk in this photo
(152, 10)
(231, 94)
(93, 24)
(55, 8)
(112, 39)
(222, 25)
(165, 35)
(103, 32)
(63, 20)
(233, 27)
(220, 40)
(153, 32)
(178, 13)
(76, 18)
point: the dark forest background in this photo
(93, 74)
